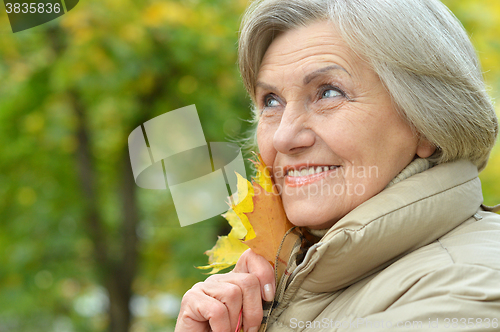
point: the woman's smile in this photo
(302, 175)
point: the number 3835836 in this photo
(32, 8)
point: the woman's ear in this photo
(425, 148)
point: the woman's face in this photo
(327, 126)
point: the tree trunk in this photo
(116, 273)
(120, 284)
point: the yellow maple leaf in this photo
(224, 254)
(257, 218)
(244, 204)
(229, 248)
(269, 223)
(263, 177)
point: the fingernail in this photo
(253, 329)
(268, 293)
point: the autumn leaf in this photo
(263, 176)
(269, 223)
(257, 218)
(267, 218)
(224, 254)
(243, 204)
(228, 248)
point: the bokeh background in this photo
(82, 248)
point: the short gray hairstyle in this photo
(418, 48)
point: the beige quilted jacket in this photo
(421, 255)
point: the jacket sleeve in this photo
(458, 297)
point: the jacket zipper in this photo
(283, 285)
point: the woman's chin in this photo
(312, 213)
(312, 223)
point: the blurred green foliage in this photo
(106, 67)
(119, 63)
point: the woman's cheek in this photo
(265, 142)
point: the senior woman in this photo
(341, 87)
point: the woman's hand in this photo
(215, 304)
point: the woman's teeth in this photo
(310, 170)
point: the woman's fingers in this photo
(250, 292)
(210, 306)
(202, 313)
(215, 305)
(250, 262)
(230, 293)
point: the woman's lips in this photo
(301, 180)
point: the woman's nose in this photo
(293, 134)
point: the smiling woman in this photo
(341, 87)
(321, 105)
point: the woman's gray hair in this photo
(418, 48)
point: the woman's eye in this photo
(270, 101)
(330, 93)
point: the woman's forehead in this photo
(307, 51)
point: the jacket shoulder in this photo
(456, 296)
(461, 264)
(475, 242)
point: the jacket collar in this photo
(400, 219)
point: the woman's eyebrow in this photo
(307, 79)
(265, 86)
(320, 71)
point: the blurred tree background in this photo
(82, 247)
